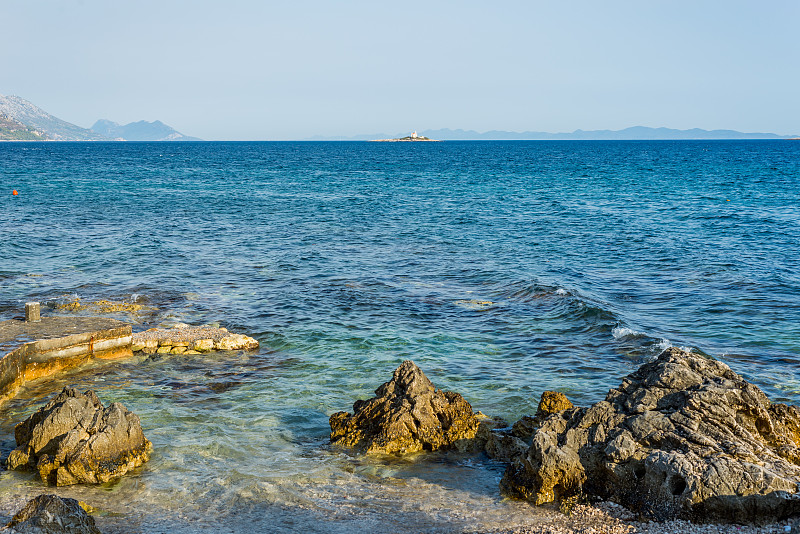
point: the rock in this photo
(503, 445)
(553, 402)
(525, 427)
(236, 342)
(196, 338)
(74, 439)
(203, 345)
(683, 436)
(407, 415)
(508, 444)
(50, 514)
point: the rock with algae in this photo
(51, 514)
(683, 436)
(185, 339)
(74, 439)
(104, 306)
(407, 415)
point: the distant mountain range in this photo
(140, 131)
(633, 133)
(21, 120)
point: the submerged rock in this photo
(74, 439)
(407, 415)
(50, 514)
(683, 436)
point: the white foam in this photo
(562, 292)
(621, 332)
(662, 345)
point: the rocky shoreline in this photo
(683, 437)
(683, 444)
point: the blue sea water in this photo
(501, 268)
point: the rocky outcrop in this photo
(683, 436)
(507, 444)
(74, 439)
(50, 514)
(185, 339)
(407, 415)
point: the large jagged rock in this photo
(683, 436)
(408, 415)
(74, 439)
(50, 514)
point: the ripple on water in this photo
(502, 269)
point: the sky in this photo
(262, 70)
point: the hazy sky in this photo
(296, 68)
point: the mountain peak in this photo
(22, 120)
(50, 127)
(140, 131)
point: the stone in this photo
(683, 436)
(50, 514)
(503, 445)
(236, 342)
(33, 312)
(73, 439)
(203, 345)
(407, 415)
(178, 349)
(525, 427)
(197, 338)
(553, 402)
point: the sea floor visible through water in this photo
(501, 269)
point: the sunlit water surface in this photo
(502, 269)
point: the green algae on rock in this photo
(73, 439)
(407, 415)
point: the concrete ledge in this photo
(56, 344)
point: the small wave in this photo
(623, 332)
(651, 344)
(663, 344)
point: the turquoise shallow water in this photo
(502, 269)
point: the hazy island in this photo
(413, 137)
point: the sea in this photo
(502, 269)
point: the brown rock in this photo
(553, 402)
(683, 436)
(74, 439)
(50, 514)
(407, 415)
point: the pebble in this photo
(610, 518)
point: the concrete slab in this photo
(54, 344)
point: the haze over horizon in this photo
(251, 71)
